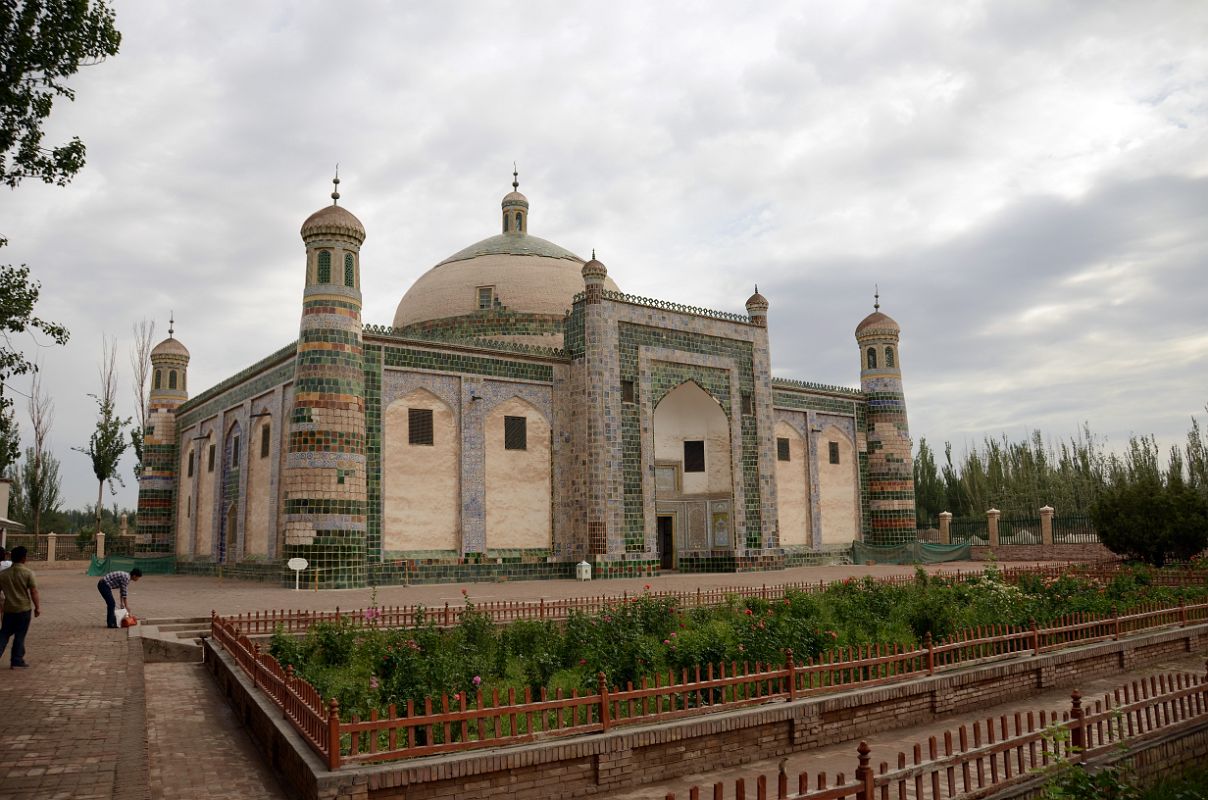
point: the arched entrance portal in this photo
(694, 490)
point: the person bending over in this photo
(120, 581)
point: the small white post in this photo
(297, 565)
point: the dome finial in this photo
(335, 187)
(593, 254)
(171, 323)
(876, 297)
(515, 178)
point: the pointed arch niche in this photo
(838, 485)
(259, 474)
(792, 485)
(421, 496)
(519, 483)
(694, 485)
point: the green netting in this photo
(150, 565)
(912, 553)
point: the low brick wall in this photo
(633, 756)
(1044, 552)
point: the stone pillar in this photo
(992, 525)
(1046, 525)
(603, 429)
(125, 525)
(945, 527)
(50, 547)
(100, 544)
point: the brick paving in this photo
(71, 721)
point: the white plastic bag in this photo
(120, 614)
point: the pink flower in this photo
(464, 592)
(607, 618)
(748, 612)
(673, 634)
(582, 662)
(371, 614)
(477, 680)
(646, 588)
(666, 641)
(373, 682)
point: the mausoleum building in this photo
(520, 415)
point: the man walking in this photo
(121, 582)
(21, 605)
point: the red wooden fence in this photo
(979, 759)
(447, 724)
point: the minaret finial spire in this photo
(515, 178)
(335, 187)
(171, 323)
(876, 297)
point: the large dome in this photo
(530, 280)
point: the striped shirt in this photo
(119, 581)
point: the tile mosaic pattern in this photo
(325, 483)
(890, 466)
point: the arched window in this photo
(348, 270)
(505, 223)
(872, 358)
(158, 381)
(324, 266)
(172, 379)
(265, 440)
(519, 222)
(889, 356)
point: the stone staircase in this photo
(171, 639)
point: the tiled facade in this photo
(326, 399)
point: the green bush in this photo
(1152, 521)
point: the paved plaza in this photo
(90, 721)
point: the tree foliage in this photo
(1152, 520)
(108, 441)
(42, 44)
(1019, 477)
(37, 491)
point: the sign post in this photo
(297, 565)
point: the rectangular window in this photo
(419, 426)
(235, 452)
(694, 456)
(190, 463)
(782, 449)
(210, 460)
(515, 433)
(486, 297)
(748, 404)
(150, 431)
(833, 447)
(265, 440)
(188, 508)
(627, 395)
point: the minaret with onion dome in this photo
(325, 486)
(157, 478)
(891, 507)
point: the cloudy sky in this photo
(1027, 182)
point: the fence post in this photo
(333, 734)
(1035, 638)
(100, 544)
(50, 547)
(945, 527)
(542, 605)
(792, 668)
(446, 614)
(1077, 731)
(255, 665)
(1115, 623)
(1182, 613)
(927, 642)
(603, 688)
(992, 516)
(1046, 525)
(864, 773)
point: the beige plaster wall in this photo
(259, 471)
(184, 497)
(518, 482)
(792, 489)
(688, 412)
(837, 490)
(421, 498)
(203, 505)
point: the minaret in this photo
(324, 481)
(890, 461)
(157, 481)
(515, 208)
